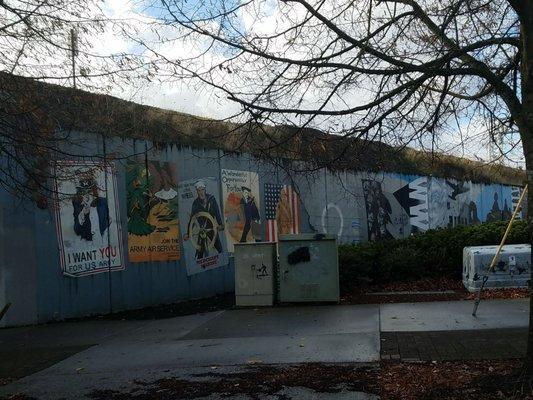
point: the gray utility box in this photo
(254, 274)
(308, 268)
(513, 268)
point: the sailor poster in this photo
(204, 244)
(152, 198)
(86, 215)
(240, 191)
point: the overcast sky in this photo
(199, 99)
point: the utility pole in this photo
(74, 53)
(496, 142)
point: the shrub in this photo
(432, 254)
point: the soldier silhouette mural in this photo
(378, 210)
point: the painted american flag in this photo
(282, 211)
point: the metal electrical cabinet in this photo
(254, 274)
(513, 268)
(308, 268)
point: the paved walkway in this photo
(444, 331)
(181, 347)
(116, 354)
(454, 345)
(454, 315)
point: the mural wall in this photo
(337, 208)
(364, 206)
(179, 211)
(354, 206)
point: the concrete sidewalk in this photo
(454, 315)
(115, 354)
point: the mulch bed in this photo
(472, 380)
(5, 381)
(256, 381)
(366, 294)
(464, 380)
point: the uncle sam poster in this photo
(86, 214)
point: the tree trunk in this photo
(525, 124)
(529, 354)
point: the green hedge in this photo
(432, 254)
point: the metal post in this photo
(3, 311)
(73, 53)
(104, 148)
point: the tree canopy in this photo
(399, 71)
(52, 41)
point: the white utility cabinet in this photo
(513, 268)
(254, 273)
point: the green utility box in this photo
(308, 268)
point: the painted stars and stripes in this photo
(282, 211)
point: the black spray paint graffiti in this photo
(378, 210)
(299, 255)
(260, 272)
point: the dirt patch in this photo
(216, 303)
(420, 285)
(442, 289)
(488, 380)
(365, 298)
(188, 307)
(257, 380)
(20, 362)
(520, 293)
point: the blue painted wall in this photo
(356, 206)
